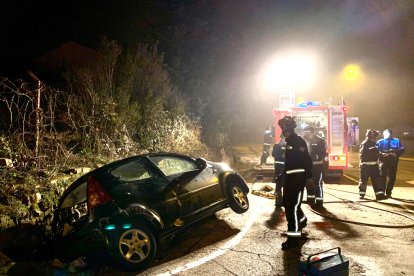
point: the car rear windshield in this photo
(76, 196)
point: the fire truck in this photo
(329, 122)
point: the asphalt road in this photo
(249, 244)
(405, 173)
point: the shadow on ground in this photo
(277, 217)
(292, 256)
(331, 227)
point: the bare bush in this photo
(128, 104)
(29, 133)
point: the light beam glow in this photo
(290, 71)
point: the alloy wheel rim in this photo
(240, 197)
(134, 245)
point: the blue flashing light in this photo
(110, 227)
(309, 103)
(126, 226)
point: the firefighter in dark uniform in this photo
(278, 154)
(390, 151)
(369, 167)
(298, 173)
(267, 141)
(317, 151)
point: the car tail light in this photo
(97, 195)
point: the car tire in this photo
(136, 247)
(238, 200)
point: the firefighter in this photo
(390, 151)
(298, 173)
(317, 151)
(278, 154)
(268, 134)
(368, 165)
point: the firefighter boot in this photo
(311, 200)
(279, 200)
(290, 243)
(319, 204)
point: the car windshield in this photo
(317, 119)
(172, 165)
(131, 171)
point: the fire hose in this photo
(358, 202)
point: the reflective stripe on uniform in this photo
(320, 185)
(293, 233)
(317, 162)
(379, 193)
(310, 196)
(266, 144)
(295, 171)
(295, 212)
(369, 163)
(362, 193)
(319, 198)
(279, 162)
(302, 219)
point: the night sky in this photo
(235, 38)
(32, 28)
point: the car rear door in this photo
(138, 183)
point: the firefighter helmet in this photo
(287, 122)
(372, 133)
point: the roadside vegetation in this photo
(125, 105)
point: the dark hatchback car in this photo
(124, 209)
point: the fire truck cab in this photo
(330, 124)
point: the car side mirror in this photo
(201, 163)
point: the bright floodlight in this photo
(291, 72)
(352, 72)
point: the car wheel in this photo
(238, 200)
(135, 247)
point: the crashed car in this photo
(124, 209)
